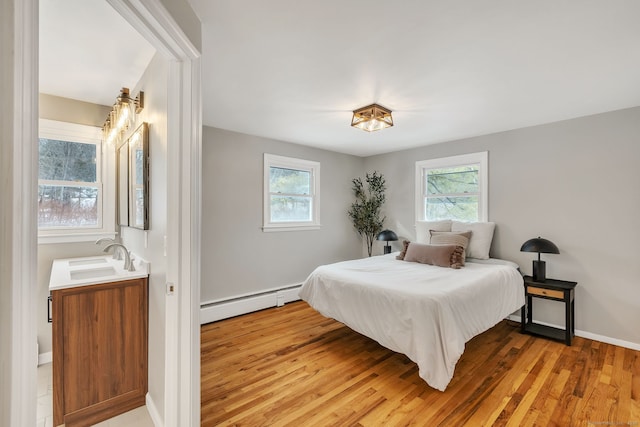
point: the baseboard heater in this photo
(224, 309)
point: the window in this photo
(291, 194)
(71, 178)
(452, 188)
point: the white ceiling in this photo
(294, 70)
(88, 51)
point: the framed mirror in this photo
(122, 157)
(139, 178)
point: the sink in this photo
(92, 273)
(89, 261)
(92, 270)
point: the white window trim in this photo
(291, 163)
(480, 158)
(74, 132)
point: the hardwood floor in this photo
(289, 366)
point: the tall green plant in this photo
(365, 212)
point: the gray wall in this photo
(237, 256)
(574, 182)
(72, 111)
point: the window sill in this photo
(272, 228)
(44, 239)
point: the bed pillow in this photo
(458, 238)
(423, 227)
(481, 237)
(439, 255)
(405, 245)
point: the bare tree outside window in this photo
(68, 190)
(454, 187)
(290, 194)
(452, 193)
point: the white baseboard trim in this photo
(588, 335)
(218, 310)
(45, 358)
(153, 411)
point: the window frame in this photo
(105, 182)
(480, 158)
(272, 160)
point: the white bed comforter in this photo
(425, 312)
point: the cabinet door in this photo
(100, 351)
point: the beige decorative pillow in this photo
(439, 255)
(451, 238)
(405, 244)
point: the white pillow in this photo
(423, 227)
(481, 237)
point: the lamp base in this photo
(387, 249)
(539, 271)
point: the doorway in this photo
(182, 375)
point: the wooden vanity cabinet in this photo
(99, 351)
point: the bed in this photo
(426, 312)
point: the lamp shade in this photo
(387, 236)
(540, 245)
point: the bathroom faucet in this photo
(128, 264)
(116, 254)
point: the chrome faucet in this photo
(128, 263)
(116, 254)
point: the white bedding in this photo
(425, 312)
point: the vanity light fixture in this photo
(122, 116)
(371, 118)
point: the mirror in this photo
(139, 178)
(122, 155)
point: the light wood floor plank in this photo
(289, 366)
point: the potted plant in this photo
(365, 212)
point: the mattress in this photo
(426, 312)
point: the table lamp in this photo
(387, 236)
(543, 246)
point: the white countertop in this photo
(74, 272)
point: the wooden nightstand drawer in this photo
(545, 292)
(551, 289)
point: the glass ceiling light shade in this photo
(122, 116)
(543, 246)
(126, 109)
(372, 118)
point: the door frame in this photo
(184, 145)
(19, 183)
(182, 324)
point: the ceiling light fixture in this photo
(122, 116)
(371, 118)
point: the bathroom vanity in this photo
(100, 336)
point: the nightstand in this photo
(555, 290)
